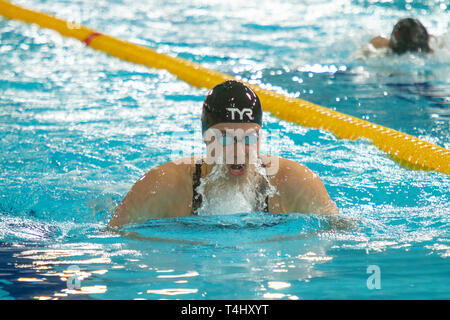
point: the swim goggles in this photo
(248, 140)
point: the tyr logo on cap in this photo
(241, 113)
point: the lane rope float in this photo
(407, 150)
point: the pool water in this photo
(78, 128)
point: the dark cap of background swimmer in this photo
(409, 35)
(231, 101)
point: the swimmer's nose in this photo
(240, 150)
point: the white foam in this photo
(223, 195)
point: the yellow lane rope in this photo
(407, 150)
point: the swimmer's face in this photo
(234, 144)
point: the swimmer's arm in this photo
(375, 44)
(307, 193)
(379, 42)
(155, 195)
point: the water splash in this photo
(222, 195)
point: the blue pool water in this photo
(78, 128)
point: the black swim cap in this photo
(231, 101)
(409, 35)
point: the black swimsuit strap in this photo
(197, 197)
(266, 200)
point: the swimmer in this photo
(233, 168)
(408, 35)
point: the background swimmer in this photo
(232, 173)
(408, 35)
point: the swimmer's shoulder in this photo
(300, 189)
(287, 172)
(178, 173)
(164, 191)
(186, 166)
(172, 175)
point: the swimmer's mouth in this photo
(237, 169)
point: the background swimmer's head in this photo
(231, 102)
(409, 35)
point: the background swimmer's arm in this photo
(373, 46)
(380, 42)
(162, 192)
(305, 192)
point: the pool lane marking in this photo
(89, 38)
